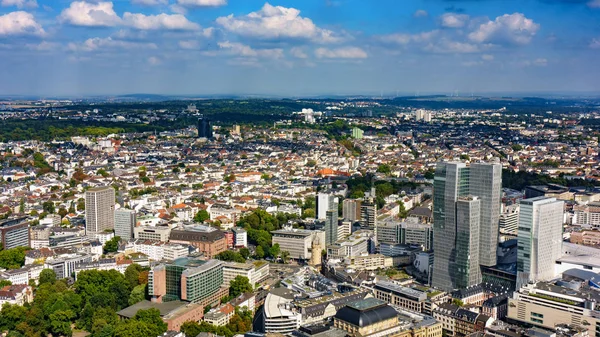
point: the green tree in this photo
(245, 252)
(11, 315)
(239, 285)
(201, 216)
(138, 294)
(47, 276)
(191, 328)
(260, 252)
(230, 255)
(132, 274)
(274, 251)
(102, 172)
(60, 322)
(112, 245)
(285, 256)
(429, 175)
(48, 207)
(384, 168)
(13, 258)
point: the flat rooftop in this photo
(167, 309)
(367, 304)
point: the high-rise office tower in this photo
(204, 128)
(368, 212)
(452, 181)
(124, 223)
(539, 239)
(99, 209)
(351, 209)
(325, 202)
(467, 241)
(485, 182)
(331, 226)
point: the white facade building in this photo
(539, 239)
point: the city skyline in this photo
(212, 47)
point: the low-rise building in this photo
(209, 240)
(546, 305)
(158, 233)
(18, 294)
(298, 242)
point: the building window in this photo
(535, 314)
(535, 320)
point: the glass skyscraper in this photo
(466, 208)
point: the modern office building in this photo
(158, 233)
(325, 202)
(481, 183)
(468, 272)
(485, 182)
(546, 305)
(240, 237)
(124, 223)
(397, 295)
(331, 226)
(587, 215)
(99, 209)
(14, 233)
(204, 128)
(255, 272)
(277, 314)
(351, 209)
(368, 212)
(509, 220)
(539, 239)
(406, 233)
(186, 279)
(298, 242)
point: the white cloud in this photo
(404, 39)
(540, 62)
(208, 32)
(20, 23)
(487, 57)
(154, 61)
(594, 4)
(202, 3)
(344, 52)
(298, 53)
(160, 21)
(239, 49)
(421, 13)
(81, 13)
(509, 28)
(43, 46)
(150, 2)
(98, 43)
(453, 20)
(188, 44)
(445, 46)
(19, 3)
(276, 22)
(595, 44)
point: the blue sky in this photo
(298, 47)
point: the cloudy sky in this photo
(298, 47)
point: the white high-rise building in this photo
(99, 209)
(325, 202)
(539, 239)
